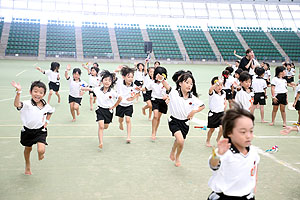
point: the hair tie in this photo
(164, 75)
(216, 81)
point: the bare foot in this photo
(263, 121)
(91, 109)
(28, 171)
(128, 140)
(153, 138)
(73, 120)
(78, 113)
(150, 119)
(271, 124)
(286, 131)
(208, 144)
(284, 125)
(101, 146)
(177, 163)
(172, 156)
(143, 111)
(121, 127)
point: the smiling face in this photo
(186, 85)
(37, 94)
(76, 76)
(128, 78)
(106, 82)
(93, 72)
(242, 133)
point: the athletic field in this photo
(74, 167)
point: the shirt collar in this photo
(131, 85)
(102, 88)
(34, 103)
(259, 77)
(234, 150)
(181, 95)
(220, 92)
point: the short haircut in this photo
(126, 70)
(54, 66)
(237, 61)
(38, 84)
(238, 71)
(244, 76)
(75, 70)
(259, 71)
(160, 70)
(230, 69)
(268, 65)
(230, 117)
(214, 79)
(248, 51)
(96, 64)
(96, 69)
(157, 62)
(278, 70)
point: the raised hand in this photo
(68, 67)
(159, 77)
(223, 146)
(38, 68)
(16, 85)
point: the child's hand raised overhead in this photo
(68, 67)
(223, 146)
(16, 85)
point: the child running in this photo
(235, 161)
(75, 95)
(244, 95)
(217, 106)
(35, 116)
(184, 104)
(228, 86)
(54, 79)
(148, 79)
(107, 100)
(139, 75)
(296, 103)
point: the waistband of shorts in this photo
(103, 108)
(29, 129)
(174, 118)
(259, 92)
(250, 195)
(216, 112)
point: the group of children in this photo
(243, 92)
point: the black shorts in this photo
(259, 98)
(91, 92)
(160, 105)
(268, 82)
(214, 119)
(147, 95)
(178, 125)
(30, 137)
(297, 107)
(289, 80)
(221, 196)
(75, 99)
(228, 93)
(281, 99)
(122, 111)
(138, 83)
(104, 114)
(54, 86)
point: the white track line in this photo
(21, 73)
(272, 157)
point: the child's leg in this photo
(58, 96)
(179, 147)
(121, 123)
(230, 103)
(283, 114)
(128, 124)
(274, 111)
(209, 134)
(41, 150)
(72, 111)
(262, 114)
(298, 116)
(27, 151)
(49, 96)
(220, 133)
(76, 108)
(149, 104)
(252, 109)
(155, 123)
(100, 132)
(94, 99)
(91, 101)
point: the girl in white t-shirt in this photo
(54, 79)
(235, 161)
(228, 86)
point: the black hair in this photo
(214, 79)
(177, 74)
(185, 76)
(54, 66)
(230, 69)
(75, 70)
(38, 84)
(237, 61)
(105, 73)
(160, 70)
(148, 69)
(244, 76)
(225, 75)
(238, 71)
(96, 69)
(157, 62)
(126, 70)
(137, 66)
(259, 71)
(268, 65)
(278, 70)
(96, 64)
(248, 51)
(230, 117)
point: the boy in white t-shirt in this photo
(244, 95)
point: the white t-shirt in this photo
(179, 107)
(158, 90)
(94, 81)
(228, 83)
(280, 85)
(32, 116)
(105, 100)
(289, 73)
(75, 87)
(217, 102)
(267, 74)
(52, 76)
(259, 85)
(139, 76)
(236, 175)
(126, 92)
(244, 98)
(297, 90)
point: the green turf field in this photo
(74, 167)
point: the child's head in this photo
(266, 66)
(160, 70)
(38, 91)
(140, 67)
(94, 71)
(108, 79)
(237, 63)
(245, 79)
(280, 71)
(288, 66)
(96, 65)
(177, 75)
(76, 73)
(186, 83)
(238, 125)
(151, 71)
(237, 73)
(54, 66)
(215, 80)
(230, 69)
(225, 75)
(156, 64)
(260, 71)
(127, 74)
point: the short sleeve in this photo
(273, 82)
(197, 103)
(96, 90)
(47, 72)
(49, 109)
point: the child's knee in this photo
(50, 92)
(180, 142)
(127, 120)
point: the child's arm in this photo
(223, 146)
(225, 104)
(116, 104)
(273, 94)
(86, 89)
(296, 99)
(47, 119)
(213, 87)
(17, 102)
(66, 72)
(193, 112)
(132, 98)
(119, 68)
(40, 69)
(86, 67)
(165, 84)
(266, 96)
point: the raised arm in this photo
(67, 70)
(223, 146)
(87, 68)
(40, 69)
(17, 102)
(165, 84)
